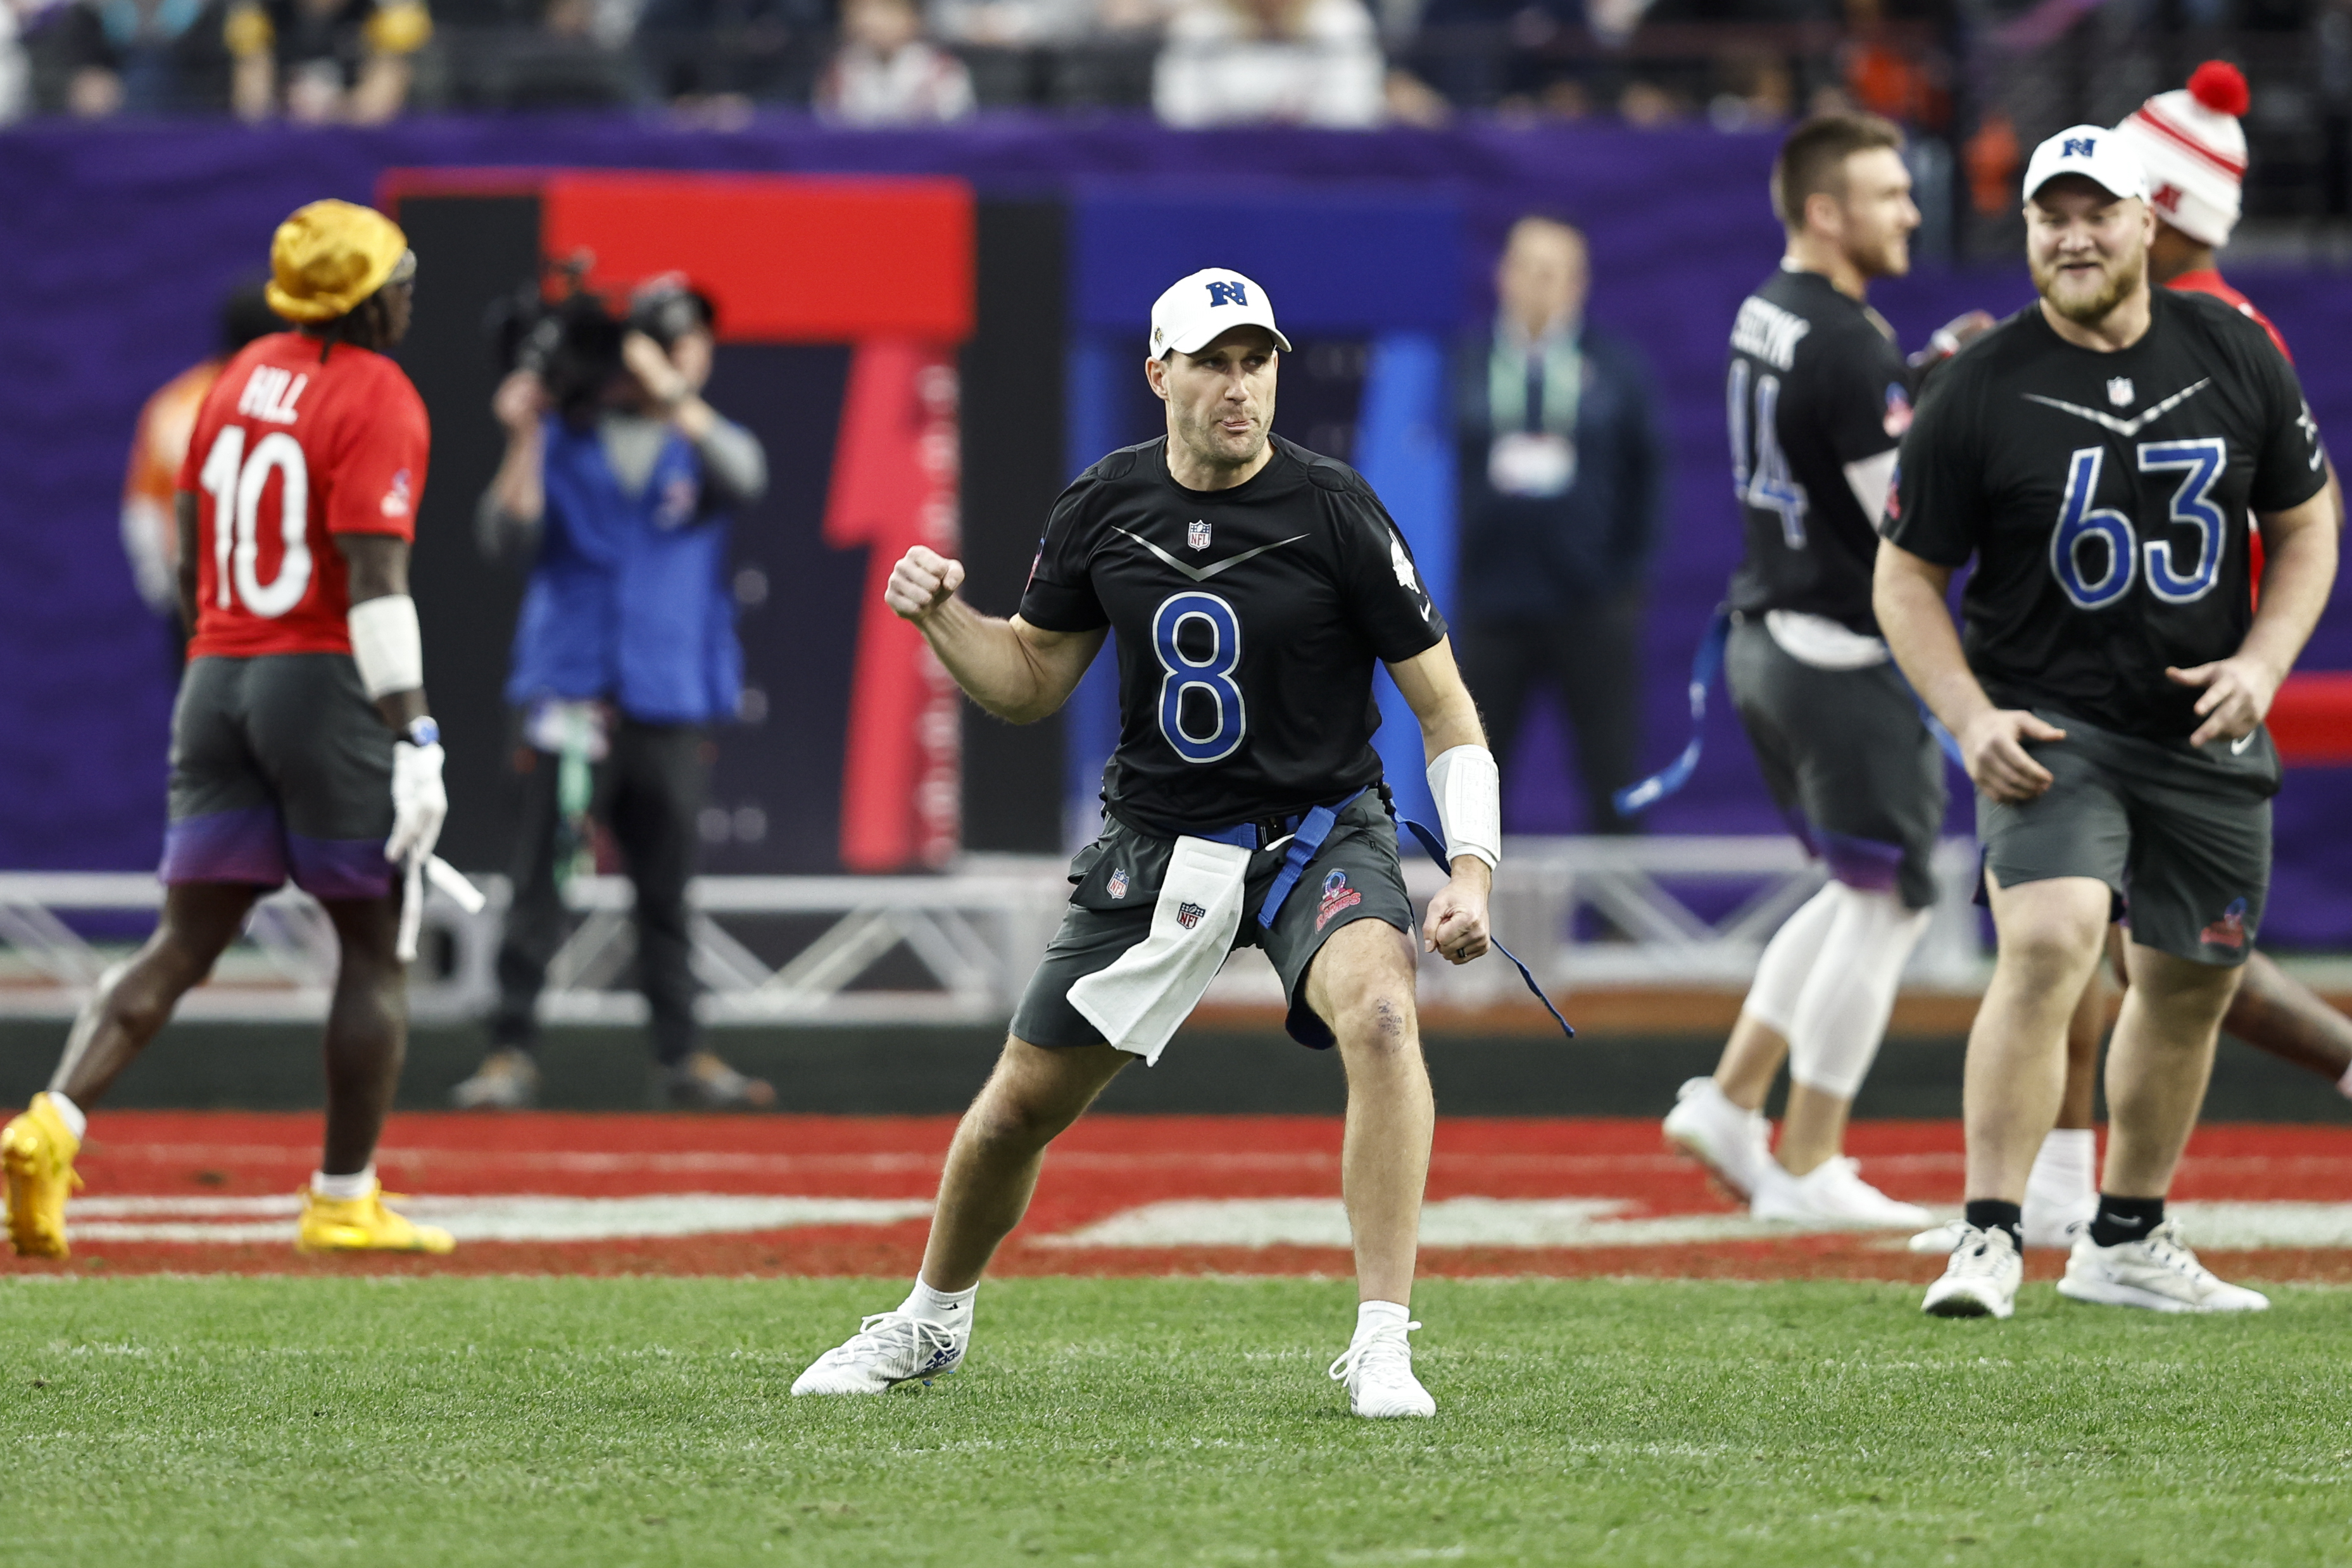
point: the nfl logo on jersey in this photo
(1197, 536)
(2119, 392)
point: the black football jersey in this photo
(1816, 383)
(1248, 622)
(2105, 498)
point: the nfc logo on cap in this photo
(2079, 147)
(1228, 293)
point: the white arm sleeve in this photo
(387, 645)
(1468, 788)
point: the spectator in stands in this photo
(1303, 62)
(618, 486)
(159, 444)
(1563, 465)
(322, 60)
(717, 56)
(15, 66)
(140, 56)
(1014, 24)
(887, 73)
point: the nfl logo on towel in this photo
(1187, 916)
(1197, 536)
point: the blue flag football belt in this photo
(1707, 663)
(1306, 837)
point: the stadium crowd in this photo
(1345, 63)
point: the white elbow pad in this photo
(1468, 788)
(386, 644)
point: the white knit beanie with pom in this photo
(2195, 151)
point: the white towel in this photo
(1141, 999)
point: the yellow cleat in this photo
(364, 1225)
(39, 1152)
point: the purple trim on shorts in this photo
(246, 846)
(1864, 864)
(340, 868)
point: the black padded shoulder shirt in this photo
(1248, 623)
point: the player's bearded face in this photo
(2088, 251)
(1220, 400)
(1877, 214)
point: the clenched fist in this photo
(921, 582)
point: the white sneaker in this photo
(1732, 1143)
(1980, 1281)
(1832, 1192)
(2158, 1272)
(888, 1349)
(1378, 1371)
(2049, 1224)
(1939, 1240)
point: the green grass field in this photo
(529, 1421)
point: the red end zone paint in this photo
(237, 1170)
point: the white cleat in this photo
(1938, 1241)
(2058, 1224)
(1832, 1192)
(1378, 1371)
(1732, 1142)
(1981, 1280)
(888, 1349)
(2158, 1272)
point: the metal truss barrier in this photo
(1665, 912)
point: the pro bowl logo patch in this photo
(1187, 916)
(1336, 896)
(1898, 411)
(2229, 931)
(1116, 886)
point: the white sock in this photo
(1842, 1013)
(1374, 1315)
(2065, 1170)
(78, 1124)
(2343, 1084)
(1787, 959)
(344, 1188)
(948, 1309)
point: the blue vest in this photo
(628, 598)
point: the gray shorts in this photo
(1354, 876)
(2180, 835)
(1848, 759)
(281, 766)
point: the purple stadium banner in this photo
(120, 237)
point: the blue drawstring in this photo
(1436, 848)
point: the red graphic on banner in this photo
(894, 487)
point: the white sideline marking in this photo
(500, 1218)
(1593, 1222)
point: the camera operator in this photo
(616, 488)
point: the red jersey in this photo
(289, 451)
(2208, 280)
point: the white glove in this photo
(419, 802)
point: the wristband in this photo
(1468, 789)
(386, 644)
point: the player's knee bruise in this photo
(1379, 1019)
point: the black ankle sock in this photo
(1992, 1214)
(2125, 1218)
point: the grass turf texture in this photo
(489, 1420)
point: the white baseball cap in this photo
(1196, 311)
(2093, 151)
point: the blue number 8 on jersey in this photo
(1213, 674)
